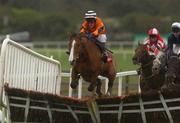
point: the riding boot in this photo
(103, 51)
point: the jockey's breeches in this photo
(102, 38)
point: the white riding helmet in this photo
(175, 27)
(176, 24)
(90, 14)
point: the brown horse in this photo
(85, 58)
(148, 80)
(160, 62)
(173, 72)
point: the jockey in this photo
(94, 27)
(174, 37)
(154, 42)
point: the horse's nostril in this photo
(134, 59)
(72, 62)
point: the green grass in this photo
(122, 57)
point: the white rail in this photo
(119, 75)
(26, 69)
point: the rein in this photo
(148, 77)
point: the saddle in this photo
(106, 53)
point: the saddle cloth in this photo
(109, 58)
(176, 49)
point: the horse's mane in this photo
(77, 35)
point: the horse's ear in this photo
(82, 34)
(139, 43)
(72, 34)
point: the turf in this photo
(122, 57)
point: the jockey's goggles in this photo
(152, 36)
(175, 29)
(91, 20)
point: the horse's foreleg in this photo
(110, 85)
(75, 78)
(91, 87)
(98, 89)
(93, 84)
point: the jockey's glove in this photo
(158, 46)
(153, 47)
(89, 35)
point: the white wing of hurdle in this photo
(23, 68)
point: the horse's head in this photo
(173, 69)
(141, 54)
(75, 47)
(159, 62)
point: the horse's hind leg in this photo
(98, 89)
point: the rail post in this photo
(127, 85)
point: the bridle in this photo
(79, 57)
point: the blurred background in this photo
(43, 25)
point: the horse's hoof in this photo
(108, 94)
(99, 94)
(90, 88)
(73, 85)
(95, 95)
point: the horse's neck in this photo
(174, 65)
(174, 68)
(147, 66)
(92, 51)
(148, 60)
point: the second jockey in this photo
(154, 41)
(174, 38)
(94, 27)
